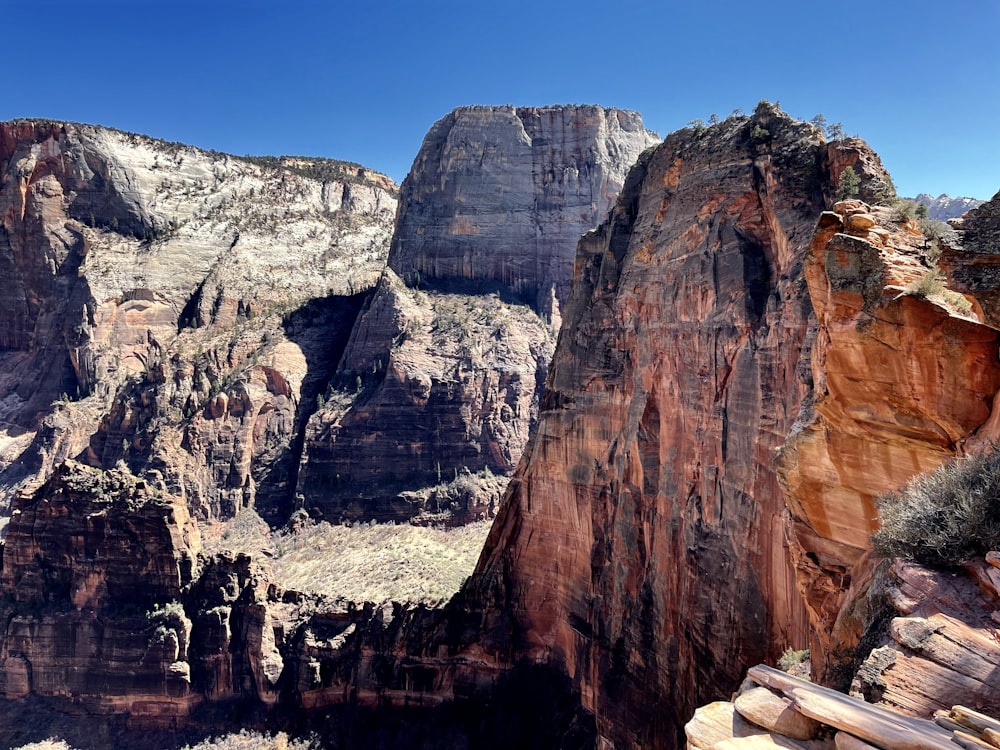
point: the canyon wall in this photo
(173, 308)
(440, 382)
(643, 546)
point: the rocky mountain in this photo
(156, 306)
(734, 385)
(745, 364)
(945, 207)
(440, 382)
(195, 318)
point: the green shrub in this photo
(945, 517)
(931, 284)
(904, 211)
(792, 658)
(848, 184)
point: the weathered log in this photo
(892, 732)
(974, 719)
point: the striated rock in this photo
(940, 647)
(775, 713)
(882, 410)
(972, 263)
(440, 382)
(502, 194)
(83, 616)
(641, 541)
(133, 268)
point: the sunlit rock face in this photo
(184, 303)
(439, 386)
(642, 544)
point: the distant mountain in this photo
(945, 207)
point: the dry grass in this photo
(365, 562)
(246, 740)
(945, 517)
(379, 562)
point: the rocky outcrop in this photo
(640, 546)
(777, 710)
(971, 261)
(440, 382)
(83, 615)
(133, 270)
(883, 408)
(935, 641)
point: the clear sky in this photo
(364, 80)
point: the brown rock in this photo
(846, 741)
(775, 714)
(880, 413)
(859, 222)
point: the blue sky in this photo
(364, 81)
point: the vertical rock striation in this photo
(440, 382)
(642, 544)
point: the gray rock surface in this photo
(502, 194)
(439, 385)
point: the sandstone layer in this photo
(904, 376)
(174, 308)
(641, 546)
(439, 385)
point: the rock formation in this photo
(651, 545)
(641, 543)
(440, 382)
(132, 271)
(945, 207)
(738, 375)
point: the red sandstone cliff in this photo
(643, 547)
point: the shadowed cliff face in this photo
(642, 541)
(439, 385)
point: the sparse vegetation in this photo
(931, 284)
(904, 211)
(246, 740)
(363, 562)
(378, 562)
(791, 658)
(945, 517)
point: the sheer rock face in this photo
(641, 545)
(81, 613)
(440, 382)
(131, 270)
(502, 194)
(903, 380)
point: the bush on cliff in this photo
(945, 517)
